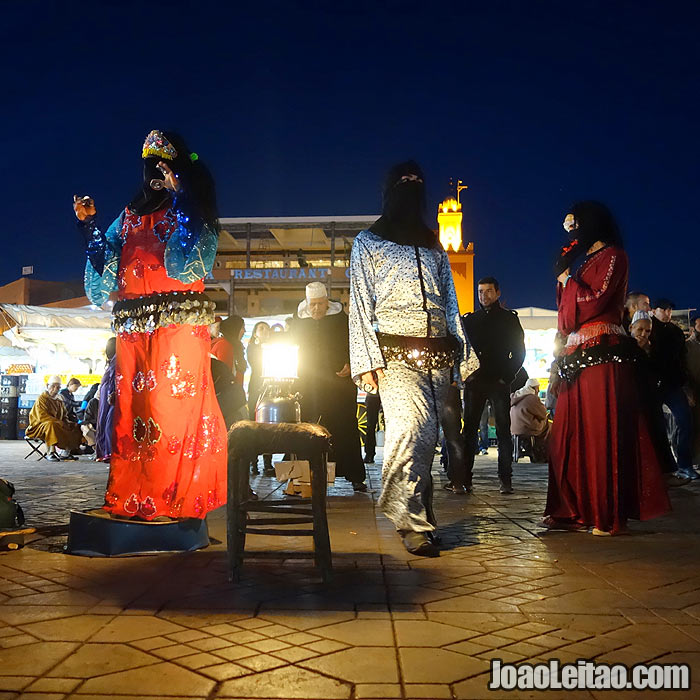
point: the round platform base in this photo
(96, 534)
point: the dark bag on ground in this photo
(11, 515)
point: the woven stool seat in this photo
(247, 440)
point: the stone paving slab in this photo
(389, 625)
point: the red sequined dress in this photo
(603, 466)
(169, 445)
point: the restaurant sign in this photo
(275, 275)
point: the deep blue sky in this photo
(300, 107)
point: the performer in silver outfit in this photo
(401, 280)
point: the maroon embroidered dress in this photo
(169, 455)
(603, 467)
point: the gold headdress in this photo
(157, 145)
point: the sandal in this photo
(551, 524)
(457, 488)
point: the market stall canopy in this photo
(537, 319)
(80, 332)
(46, 317)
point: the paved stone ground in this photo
(389, 626)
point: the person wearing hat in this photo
(48, 421)
(528, 417)
(328, 395)
(669, 359)
(648, 381)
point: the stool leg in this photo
(243, 497)
(235, 518)
(322, 543)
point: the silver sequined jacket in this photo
(385, 292)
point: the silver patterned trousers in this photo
(412, 400)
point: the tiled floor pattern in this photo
(388, 626)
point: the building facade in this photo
(263, 264)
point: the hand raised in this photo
(169, 177)
(84, 207)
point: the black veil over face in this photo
(196, 182)
(403, 212)
(148, 200)
(594, 222)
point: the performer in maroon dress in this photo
(603, 466)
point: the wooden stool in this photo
(247, 440)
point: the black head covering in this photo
(194, 178)
(403, 208)
(594, 222)
(231, 327)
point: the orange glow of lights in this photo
(450, 224)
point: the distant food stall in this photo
(56, 340)
(38, 342)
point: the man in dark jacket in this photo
(498, 340)
(669, 360)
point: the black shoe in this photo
(506, 486)
(455, 488)
(677, 479)
(418, 543)
(359, 487)
(435, 538)
(369, 459)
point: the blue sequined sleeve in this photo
(104, 252)
(191, 248)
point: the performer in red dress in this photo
(603, 467)
(168, 456)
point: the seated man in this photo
(67, 395)
(89, 423)
(48, 421)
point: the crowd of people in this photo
(69, 427)
(404, 343)
(609, 451)
(319, 328)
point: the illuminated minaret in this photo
(461, 259)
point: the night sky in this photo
(299, 108)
